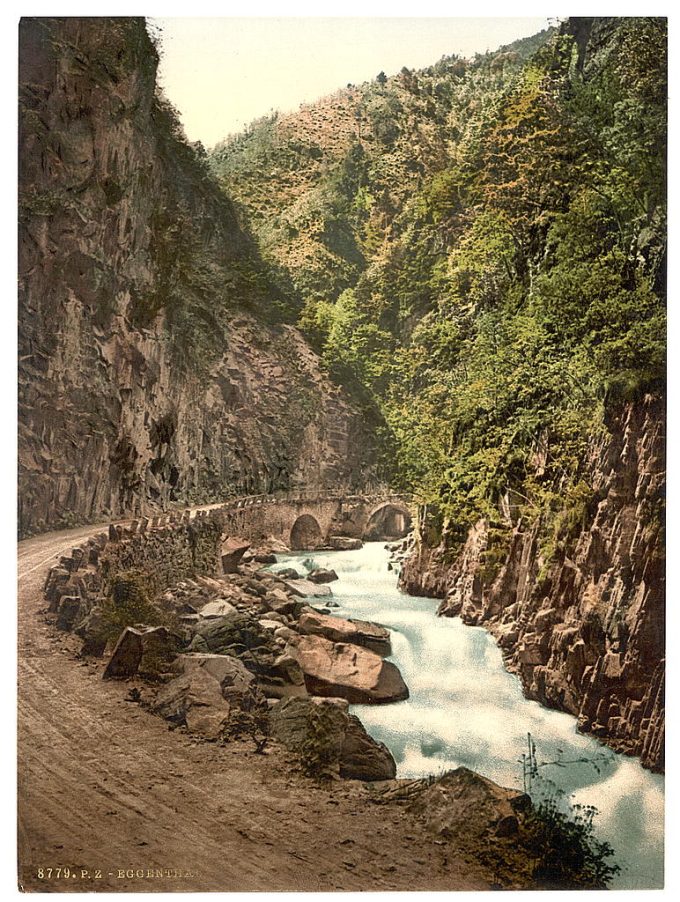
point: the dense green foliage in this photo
(321, 188)
(499, 285)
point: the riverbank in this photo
(104, 786)
(466, 709)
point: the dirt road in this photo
(110, 799)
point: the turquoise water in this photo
(466, 709)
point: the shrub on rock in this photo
(328, 740)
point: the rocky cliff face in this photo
(152, 368)
(585, 630)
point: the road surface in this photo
(110, 799)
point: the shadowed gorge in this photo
(154, 363)
(428, 310)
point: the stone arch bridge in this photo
(306, 521)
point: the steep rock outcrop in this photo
(585, 631)
(152, 368)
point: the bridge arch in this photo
(389, 520)
(305, 534)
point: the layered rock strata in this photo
(584, 630)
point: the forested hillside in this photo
(481, 247)
(322, 188)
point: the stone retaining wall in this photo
(167, 549)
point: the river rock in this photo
(278, 675)
(280, 603)
(270, 625)
(321, 728)
(303, 588)
(348, 671)
(287, 573)
(344, 543)
(464, 803)
(276, 546)
(215, 609)
(207, 694)
(231, 634)
(322, 575)
(363, 757)
(232, 552)
(356, 632)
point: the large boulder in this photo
(278, 601)
(279, 675)
(218, 608)
(344, 543)
(287, 573)
(232, 552)
(303, 588)
(312, 728)
(363, 757)
(463, 803)
(348, 671)
(282, 678)
(328, 739)
(321, 575)
(211, 693)
(356, 632)
(146, 650)
(229, 634)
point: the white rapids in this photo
(466, 709)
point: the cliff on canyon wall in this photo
(582, 623)
(154, 363)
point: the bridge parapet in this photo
(313, 497)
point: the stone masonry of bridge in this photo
(357, 516)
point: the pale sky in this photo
(223, 73)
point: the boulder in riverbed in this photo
(329, 740)
(303, 588)
(344, 543)
(348, 671)
(287, 573)
(321, 575)
(356, 632)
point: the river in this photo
(466, 709)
